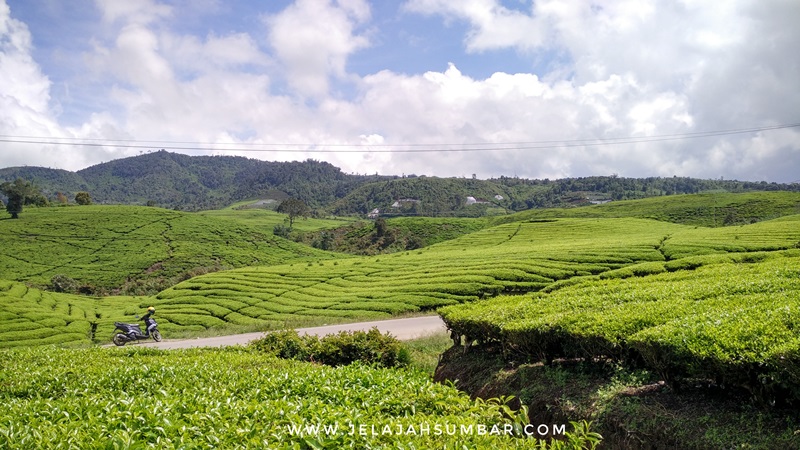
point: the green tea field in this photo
(681, 301)
(236, 398)
(107, 248)
(512, 258)
(319, 287)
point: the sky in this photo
(483, 88)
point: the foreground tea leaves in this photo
(235, 398)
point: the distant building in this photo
(400, 202)
(476, 201)
(374, 213)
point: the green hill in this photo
(513, 258)
(194, 183)
(708, 210)
(409, 233)
(133, 249)
(275, 282)
(653, 297)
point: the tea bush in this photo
(346, 347)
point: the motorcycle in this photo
(130, 332)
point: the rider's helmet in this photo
(151, 309)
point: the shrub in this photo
(281, 230)
(63, 283)
(369, 347)
(286, 344)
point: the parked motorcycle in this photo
(130, 332)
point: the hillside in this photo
(132, 249)
(194, 183)
(395, 234)
(178, 181)
(638, 324)
(517, 258)
(274, 282)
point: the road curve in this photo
(403, 329)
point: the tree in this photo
(294, 207)
(83, 198)
(19, 193)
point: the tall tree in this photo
(83, 198)
(18, 193)
(294, 207)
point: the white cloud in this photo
(21, 80)
(313, 39)
(627, 68)
(493, 26)
(140, 12)
(24, 94)
(675, 67)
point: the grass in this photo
(426, 351)
(481, 264)
(513, 258)
(731, 322)
(618, 277)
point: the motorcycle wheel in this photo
(118, 340)
(156, 335)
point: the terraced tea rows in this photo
(734, 322)
(123, 398)
(510, 258)
(714, 209)
(32, 317)
(106, 246)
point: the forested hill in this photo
(206, 182)
(193, 183)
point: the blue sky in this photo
(486, 87)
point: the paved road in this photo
(403, 329)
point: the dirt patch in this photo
(154, 268)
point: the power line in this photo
(378, 148)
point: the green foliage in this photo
(282, 230)
(294, 208)
(522, 257)
(708, 210)
(134, 250)
(83, 198)
(234, 398)
(195, 183)
(63, 283)
(21, 192)
(734, 322)
(391, 235)
(346, 347)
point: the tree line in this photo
(22, 192)
(192, 183)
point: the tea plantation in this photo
(235, 398)
(606, 283)
(513, 258)
(108, 248)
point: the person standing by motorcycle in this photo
(150, 311)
